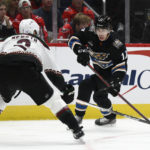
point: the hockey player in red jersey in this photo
(109, 57)
(76, 7)
(26, 65)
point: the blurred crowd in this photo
(72, 16)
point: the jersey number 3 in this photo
(24, 44)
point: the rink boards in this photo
(135, 87)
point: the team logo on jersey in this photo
(99, 56)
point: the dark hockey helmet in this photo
(103, 22)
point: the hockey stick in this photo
(114, 112)
(107, 84)
(105, 89)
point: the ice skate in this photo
(78, 133)
(105, 121)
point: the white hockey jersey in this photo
(26, 48)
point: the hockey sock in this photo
(66, 116)
(111, 116)
(80, 109)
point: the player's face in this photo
(102, 34)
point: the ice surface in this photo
(52, 135)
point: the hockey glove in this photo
(114, 88)
(68, 94)
(83, 57)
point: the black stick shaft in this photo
(114, 112)
(125, 100)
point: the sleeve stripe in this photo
(73, 40)
(119, 67)
(73, 37)
(123, 70)
(75, 44)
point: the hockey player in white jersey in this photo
(26, 65)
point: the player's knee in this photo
(102, 101)
(85, 91)
(98, 98)
(48, 95)
(44, 97)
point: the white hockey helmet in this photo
(29, 26)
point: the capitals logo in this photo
(99, 56)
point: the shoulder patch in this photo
(117, 43)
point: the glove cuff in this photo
(79, 49)
(118, 76)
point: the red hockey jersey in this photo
(70, 12)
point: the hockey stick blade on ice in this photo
(107, 84)
(114, 112)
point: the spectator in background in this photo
(35, 4)
(46, 13)
(76, 7)
(116, 10)
(12, 8)
(146, 33)
(80, 21)
(25, 12)
(6, 28)
(146, 28)
(97, 5)
(136, 28)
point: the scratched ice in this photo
(52, 135)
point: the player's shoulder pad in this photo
(117, 43)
